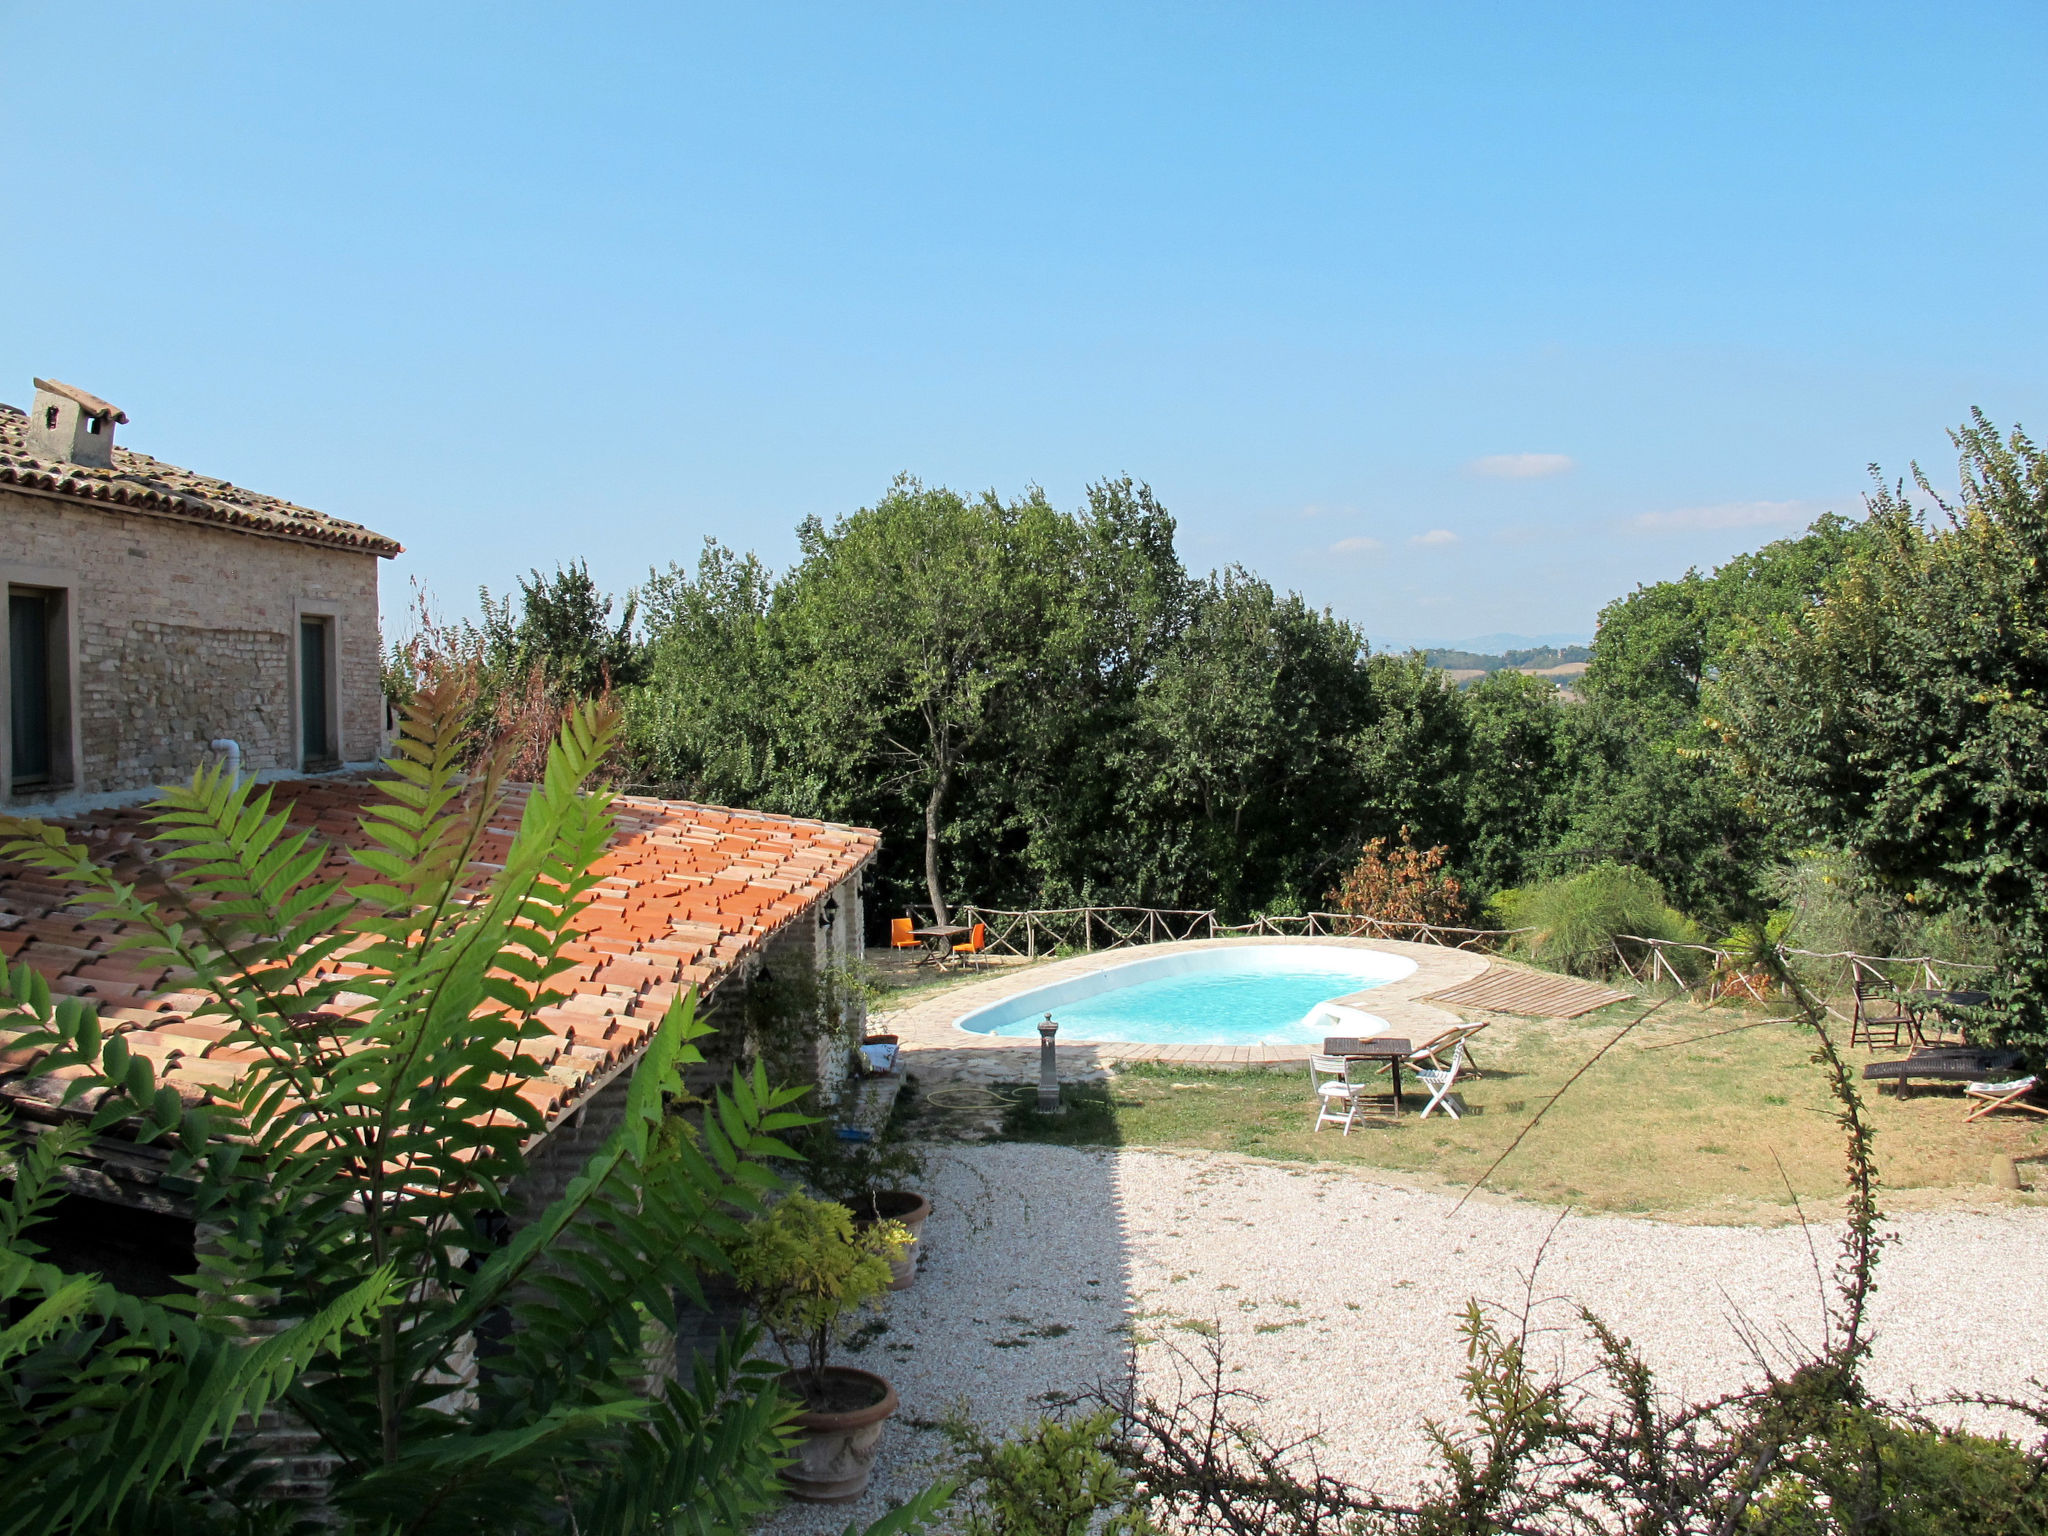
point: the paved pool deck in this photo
(937, 1049)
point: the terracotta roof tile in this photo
(661, 924)
(139, 483)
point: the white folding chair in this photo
(1337, 1097)
(1439, 1079)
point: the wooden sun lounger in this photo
(1992, 1097)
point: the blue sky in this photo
(1457, 319)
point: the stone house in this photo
(153, 612)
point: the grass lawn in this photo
(1667, 1122)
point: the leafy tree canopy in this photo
(563, 625)
(1905, 718)
(1660, 644)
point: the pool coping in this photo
(930, 1026)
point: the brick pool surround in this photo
(932, 1026)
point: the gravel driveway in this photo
(1338, 1297)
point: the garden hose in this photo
(974, 1096)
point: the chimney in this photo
(72, 427)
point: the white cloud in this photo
(1435, 536)
(1727, 514)
(1522, 466)
(1358, 546)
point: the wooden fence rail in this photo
(1347, 925)
(1726, 976)
(1045, 930)
(1042, 930)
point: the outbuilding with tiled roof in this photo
(691, 896)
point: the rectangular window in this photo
(316, 743)
(33, 688)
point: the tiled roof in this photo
(139, 483)
(688, 891)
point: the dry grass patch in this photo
(1679, 1119)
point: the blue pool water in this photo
(1249, 994)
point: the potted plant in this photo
(904, 1208)
(869, 1178)
(808, 1272)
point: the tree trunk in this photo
(932, 808)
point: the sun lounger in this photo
(1993, 1097)
(1942, 1064)
(1428, 1052)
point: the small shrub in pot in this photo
(808, 1272)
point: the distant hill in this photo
(1542, 658)
(1494, 644)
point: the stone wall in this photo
(184, 632)
(146, 691)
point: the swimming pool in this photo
(1239, 994)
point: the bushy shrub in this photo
(1834, 904)
(1573, 923)
(1871, 1471)
(808, 1272)
(1401, 883)
(1056, 1478)
(361, 1183)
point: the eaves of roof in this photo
(689, 893)
(139, 483)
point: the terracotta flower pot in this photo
(907, 1207)
(836, 1447)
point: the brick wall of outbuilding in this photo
(187, 632)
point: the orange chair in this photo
(977, 941)
(900, 936)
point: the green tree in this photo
(1520, 774)
(1903, 719)
(562, 626)
(1660, 645)
(709, 720)
(1647, 788)
(1047, 808)
(1414, 755)
(912, 624)
(1241, 768)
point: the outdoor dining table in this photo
(1380, 1048)
(941, 936)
